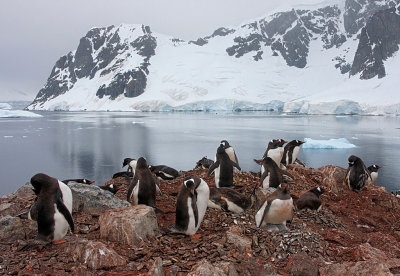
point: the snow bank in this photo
(18, 114)
(5, 106)
(340, 143)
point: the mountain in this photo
(334, 57)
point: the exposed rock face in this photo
(13, 228)
(94, 254)
(93, 200)
(204, 268)
(379, 40)
(129, 226)
(12, 204)
(99, 53)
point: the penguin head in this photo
(374, 168)
(298, 142)
(281, 142)
(41, 181)
(284, 188)
(127, 161)
(190, 185)
(318, 190)
(353, 160)
(141, 163)
(87, 181)
(225, 144)
(221, 149)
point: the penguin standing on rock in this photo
(310, 199)
(275, 150)
(276, 210)
(271, 174)
(52, 208)
(223, 168)
(191, 205)
(131, 164)
(142, 188)
(357, 174)
(291, 151)
(373, 171)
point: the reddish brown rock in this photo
(359, 268)
(129, 226)
(302, 264)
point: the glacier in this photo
(6, 112)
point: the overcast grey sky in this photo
(35, 33)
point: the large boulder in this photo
(14, 228)
(12, 204)
(94, 254)
(94, 200)
(129, 226)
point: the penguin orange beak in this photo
(91, 182)
(301, 142)
(379, 167)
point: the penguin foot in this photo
(282, 227)
(59, 241)
(195, 236)
(272, 228)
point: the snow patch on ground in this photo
(340, 143)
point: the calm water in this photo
(93, 144)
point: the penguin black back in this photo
(50, 200)
(310, 199)
(142, 186)
(291, 152)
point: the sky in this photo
(35, 34)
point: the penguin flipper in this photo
(212, 168)
(132, 185)
(266, 210)
(286, 173)
(235, 165)
(65, 212)
(195, 211)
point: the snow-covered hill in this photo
(334, 57)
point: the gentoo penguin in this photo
(373, 171)
(131, 164)
(276, 209)
(223, 168)
(275, 150)
(310, 199)
(164, 172)
(78, 180)
(271, 174)
(227, 199)
(191, 205)
(357, 174)
(230, 151)
(111, 187)
(291, 151)
(122, 174)
(52, 208)
(204, 163)
(143, 186)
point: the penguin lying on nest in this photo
(227, 199)
(164, 172)
(204, 163)
(78, 180)
(310, 199)
(276, 209)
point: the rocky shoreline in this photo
(353, 234)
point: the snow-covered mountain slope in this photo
(334, 57)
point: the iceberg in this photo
(5, 106)
(18, 114)
(340, 143)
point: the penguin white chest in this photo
(136, 193)
(275, 154)
(217, 173)
(280, 211)
(60, 225)
(265, 182)
(233, 207)
(374, 176)
(191, 228)
(295, 154)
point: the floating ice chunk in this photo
(8, 136)
(18, 114)
(136, 123)
(340, 143)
